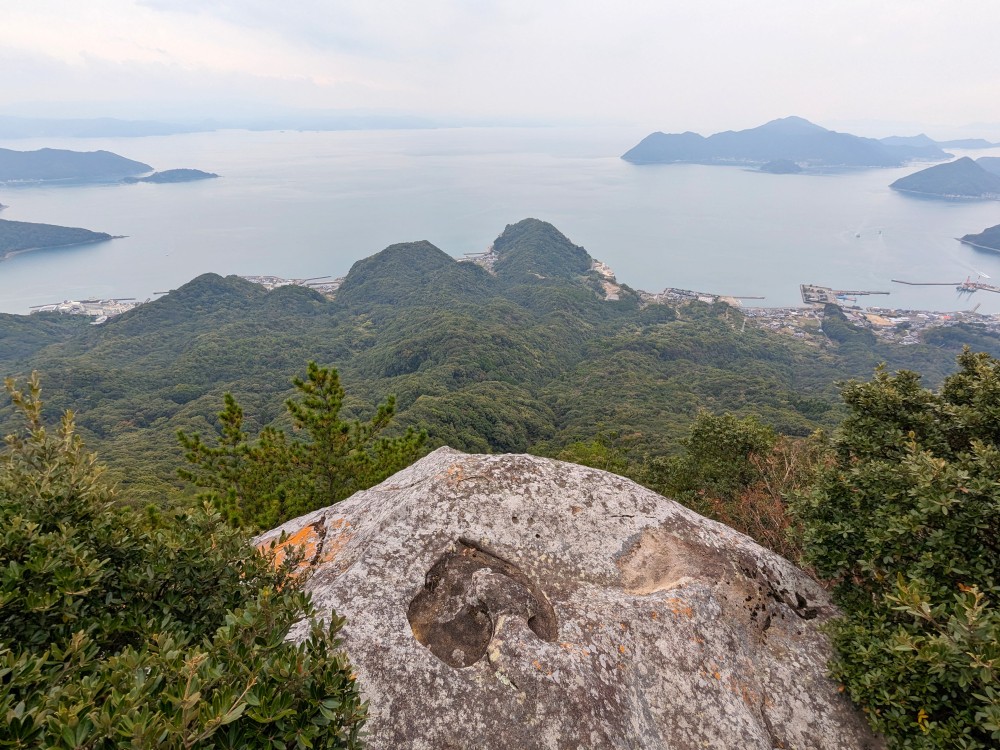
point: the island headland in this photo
(988, 239)
(962, 179)
(173, 175)
(22, 236)
(790, 138)
(61, 165)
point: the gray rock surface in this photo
(518, 602)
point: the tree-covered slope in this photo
(989, 238)
(962, 178)
(17, 236)
(530, 357)
(59, 164)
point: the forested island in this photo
(781, 166)
(791, 138)
(962, 179)
(173, 175)
(988, 239)
(22, 236)
(61, 165)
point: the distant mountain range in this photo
(988, 239)
(989, 163)
(961, 179)
(925, 140)
(788, 139)
(50, 164)
(97, 127)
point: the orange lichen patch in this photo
(575, 649)
(455, 474)
(307, 539)
(574, 509)
(680, 607)
(749, 696)
(654, 614)
(334, 546)
(622, 650)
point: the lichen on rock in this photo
(517, 602)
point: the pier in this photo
(822, 295)
(968, 286)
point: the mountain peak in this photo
(532, 248)
(793, 124)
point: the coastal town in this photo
(803, 322)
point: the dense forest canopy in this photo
(531, 357)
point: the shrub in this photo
(123, 628)
(906, 523)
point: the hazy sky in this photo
(702, 65)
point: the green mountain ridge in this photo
(529, 358)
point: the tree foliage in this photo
(120, 628)
(906, 522)
(740, 472)
(265, 482)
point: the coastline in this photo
(981, 247)
(21, 251)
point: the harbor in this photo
(805, 322)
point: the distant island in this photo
(52, 164)
(788, 139)
(781, 166)
(21, 236)
(173, 175)
(925, 141)
(988, 239)
(962, 179)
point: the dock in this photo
(968, 286)
(813, 294)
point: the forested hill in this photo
(60, 164)
(18, 236)
(528, 357)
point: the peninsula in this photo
(173, 175)
(988, 239)
(21, 236)
(962, 179)
(791, 138)
(60, 165)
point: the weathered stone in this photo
(518, 602)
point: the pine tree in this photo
(262, 483)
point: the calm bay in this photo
(310, 204)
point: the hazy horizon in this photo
(895, 68)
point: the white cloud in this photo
(704, 65)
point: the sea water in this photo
(309, 204)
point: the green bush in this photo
(123, 628)
(906, 522)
